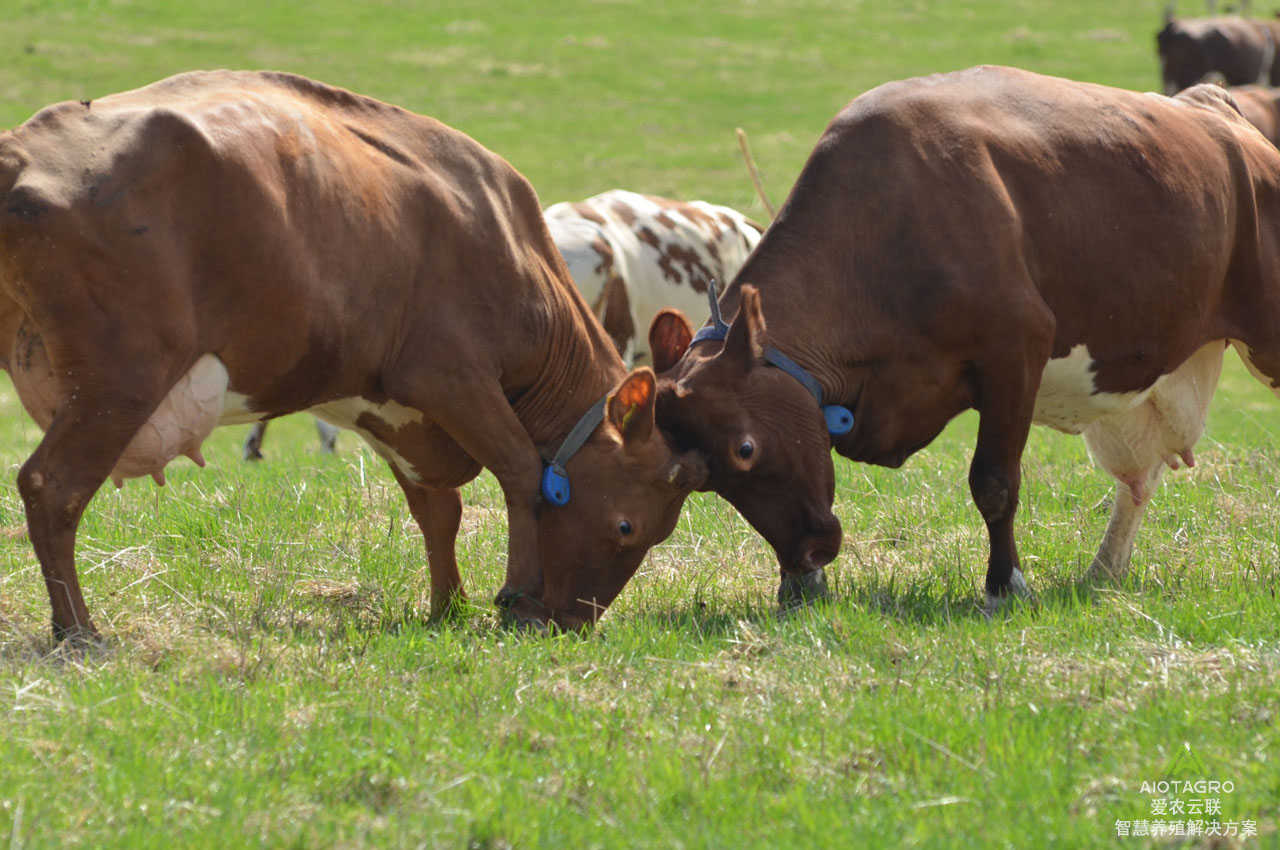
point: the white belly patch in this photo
(197, 403)
(346, 412)
(1067, 400)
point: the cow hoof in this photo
(77, 636)
(1102, 573)
(1018, 593)
(251, 453)
(797, 590)
(451, 608)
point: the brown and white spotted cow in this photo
(1037, 249)
(229, 246)
(631, 255)
(1237, 51)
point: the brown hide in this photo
(1260, 105)
(1241, 50)
(948, 236)
(329, 251)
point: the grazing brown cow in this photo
(1260, 105)
(1037, 249)
(1240, 50)
(225, 247)
(630, 255)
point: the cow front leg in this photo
(438, 512)
(485, 427)
(994, 486)
(995, 477)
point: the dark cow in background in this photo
(223, 247)
(630, 255)
(1239, 51)
(1036, 249)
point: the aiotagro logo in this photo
(1186, 802)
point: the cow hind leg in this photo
(86, 437)
(1265, 368)
(1137, 445)
(252, 448)
(1111, 563)
(328, 436)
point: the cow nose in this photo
(520, 610)
(819, 556)
(822, 544)
(527, 625)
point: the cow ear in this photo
(746, 335)
(688, 472)
(669, 338)
(630, 408)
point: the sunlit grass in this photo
(270, 678)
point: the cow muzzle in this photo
(521, 610)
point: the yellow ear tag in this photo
(626, 417)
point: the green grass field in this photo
(270, 679)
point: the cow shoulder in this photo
(1212, 97)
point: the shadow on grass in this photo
(358, 621)
(938, 602)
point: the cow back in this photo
(265, 194)
(632, 255)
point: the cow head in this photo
(766, 441)
(1184, 56)
(1227, 51)
(628, 486)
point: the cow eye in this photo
(746, 449)
(624, 528)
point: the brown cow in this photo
(630, 255)
(1037, 249)
(226, 247)
(1260, 105)
(1240, 50)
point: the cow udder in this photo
(178, 426)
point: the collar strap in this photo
(839, 419)
(555, 479)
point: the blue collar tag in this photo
(555, 486)
(555, 479)
(839, 419)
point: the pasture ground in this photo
(270, 679)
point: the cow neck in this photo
(578, 368)
(839, 419)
